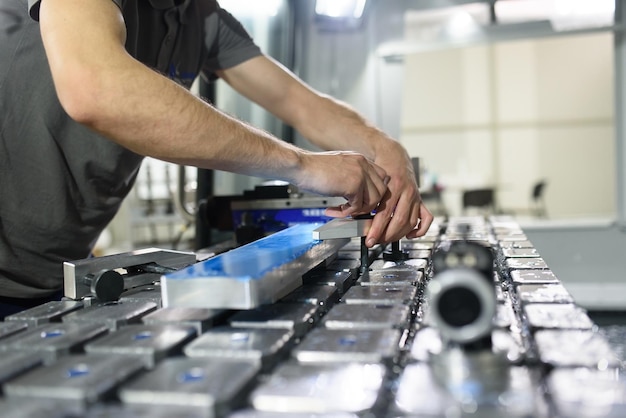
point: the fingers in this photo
(407, 216)
(368, 193)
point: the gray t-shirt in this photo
(60, 183)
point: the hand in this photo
(347, 174)
(401, 211)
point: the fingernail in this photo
(370, 242)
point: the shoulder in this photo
(33, 7)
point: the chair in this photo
(433, 200)
(537, 202)
(483, 199)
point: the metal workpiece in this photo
(10, 328)
(148, 293)
(199, 318)
(147, 343)
(412, 264)
(213, 386)
(107, 277)
(520, 253)
(78, 380)
(341, 280)
(343, 228)
(327, 340)
(354, 317)
(534, 263)
(46, 313)
(575, 348)
(323, 345)
(294, 388)
(561, 316)
(322, 296)
(381, 295)
(421, 393)
(391, 277)
(520, 277)
(543, 293)
(112, 314)
(262, 346)
(258, 273)
(15, 363)
(53, 341)
(251, 413)
(586, 393)
(505, 344)
(297, 317)
(28, 407)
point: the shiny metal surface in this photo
(75, 272)
(343, 228)
(346, 344)
(259, 273)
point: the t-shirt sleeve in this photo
(227, 42)
(33, 7)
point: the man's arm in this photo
(331, 124)
(101, 86)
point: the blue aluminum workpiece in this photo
(257, 273)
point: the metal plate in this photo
(391, 277)
(199, 318)
(258, 345)
(416, 264)
(53, 340)
(251, 413)
(323, 296)
(74, 272)
(533, 277)
(80, 379)
(16, 363)
(575, 348)
(342, 280)
(149, 343)
(526, 264)
(380, 295)
(296, 317)
(516, 244)
(520, 252)
(428, 341)
(257, 273)
(353, 317)
(544, 293)
(196, 382)
(146, 293)
(341, 346)
(113, 314)
(586, 393)
(420, 393)
(552, 315)
(46, 313)
(342, 228)
(11, 328)
(294, 388)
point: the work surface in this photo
(342, 345)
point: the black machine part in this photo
(461, 294)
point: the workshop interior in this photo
(213, 294)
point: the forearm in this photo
(153, 116)
(334, 125)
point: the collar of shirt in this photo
(181, 5)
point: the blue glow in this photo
(255, 260)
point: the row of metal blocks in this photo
(343, 345)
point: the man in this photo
(87, 88)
